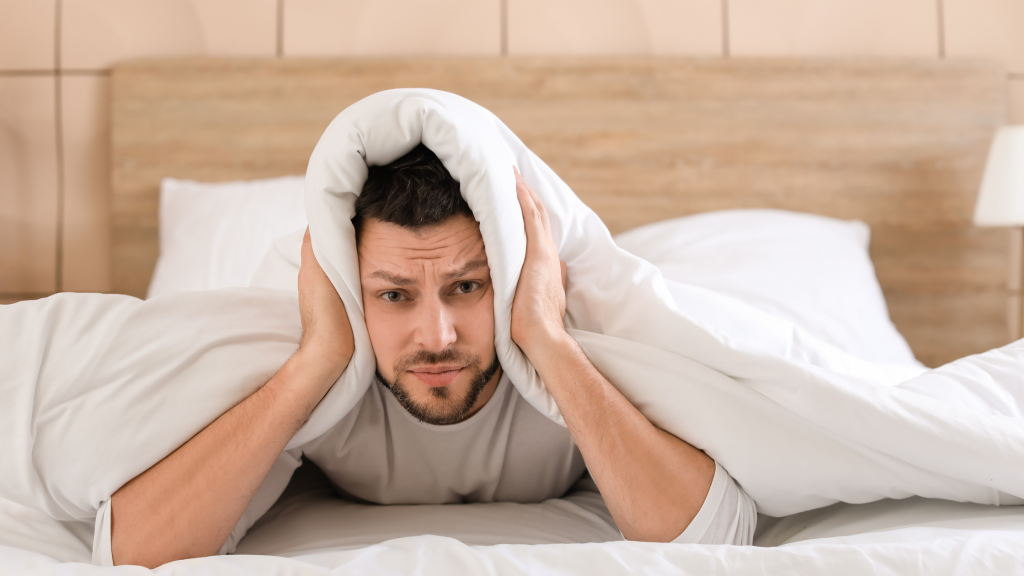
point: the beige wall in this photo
(55, 57)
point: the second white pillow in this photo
(811, 270)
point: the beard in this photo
(444, 408)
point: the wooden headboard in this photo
(898, 144)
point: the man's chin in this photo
(438, 405)
(436, 398)
(441, 404)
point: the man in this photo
(442, 424)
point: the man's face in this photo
(430, 314)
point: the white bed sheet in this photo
(319, 521)
(847, 520)
(909, 552)
(905, 538)
(932, 552)
(311, 520)
(312, 531)
(910, 536)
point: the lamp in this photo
(1001, 203)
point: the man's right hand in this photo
(187, 504)
(326, 330)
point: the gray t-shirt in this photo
(506, 452)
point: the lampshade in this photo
(1001, 200)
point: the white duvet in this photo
(97, 388)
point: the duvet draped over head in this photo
(101, 387)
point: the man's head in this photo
(426, 289)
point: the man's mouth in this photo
(436, 376)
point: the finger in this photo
(546, 239)
(307, 248)
(532, 218)
(539, 239)
(308, 262)
(536, 199)
(565, 276)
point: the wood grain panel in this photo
(898, 144)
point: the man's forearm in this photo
(653, 483)
(187, 504)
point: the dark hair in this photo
(414, 191)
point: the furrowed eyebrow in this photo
(470, 266)
(392, 278)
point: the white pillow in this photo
(215, 235)
(811, 270)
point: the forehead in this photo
(449, 244)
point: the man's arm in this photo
(653, 483)
(186, 505)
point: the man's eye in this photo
(466, 287)
(391, 296)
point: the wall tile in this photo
(28, 185)
(684, 27)
(1017, 101)
(238, 27)
(391, 27)
(992, 28)
(664, 27)
(97, 33)
(833, 28)
(87, 251)
(26, 34)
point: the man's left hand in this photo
(539, 303)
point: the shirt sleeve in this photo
(728, 515)
(101, 555)
(268, 493)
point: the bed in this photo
(899, 145)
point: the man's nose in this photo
(435, 325)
